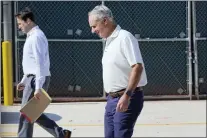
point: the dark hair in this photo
(25, 14)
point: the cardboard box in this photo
(35, 107)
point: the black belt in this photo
(121, 92)
(30, 75)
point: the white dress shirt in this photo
(36, 57)
(121, 52)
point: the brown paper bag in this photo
(35, 107)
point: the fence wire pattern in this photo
(151, 19)
(201, 33)
(201, 16)
(62, 19)
(76, 68)
(166, 72)
(202, 66)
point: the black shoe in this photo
(67, 133)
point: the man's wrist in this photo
(37, 89)
(129, 93)
(39, 82)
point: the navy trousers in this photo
(121, 124)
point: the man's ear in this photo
(28, 21)
(105, 20)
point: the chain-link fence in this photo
(166, 72)
(202, 66)
(62, 19)
(201, 22)
(161, 30)
(75, 53)
(200, 38)
(151, 19)
(75, 68)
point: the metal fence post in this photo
(16, 50)
(189, 51)
(195, 61)
(7, 21)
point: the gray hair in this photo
(101, 11)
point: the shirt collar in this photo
(32, 30)
(115, 32)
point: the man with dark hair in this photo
(36, 68)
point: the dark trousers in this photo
(25, 128)
(121, 124)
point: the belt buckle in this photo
(116, 94)
(140, 88)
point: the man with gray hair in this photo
(123, 74)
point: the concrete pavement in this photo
(85, 119)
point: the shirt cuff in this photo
(24, 79)
(39, 82)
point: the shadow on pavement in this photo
(13, 117)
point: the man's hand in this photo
(37, 94)
(123, 103)
(20, 87)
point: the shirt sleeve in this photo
(24, 79)
(39, 51)
(131, 50)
